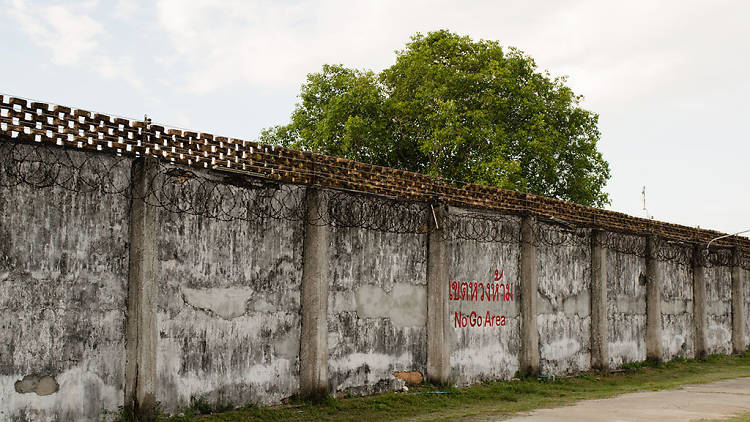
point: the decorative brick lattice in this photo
(34, 122)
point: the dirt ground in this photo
(716, 400)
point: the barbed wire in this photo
(370, 212)
(557, 235)
(481, 227)
(41, 166)
(677, 253)
(744, 261)
(623, 243)
(231, 196)
(718, 258)
(228, 196)
(223, 197)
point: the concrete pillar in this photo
(699, 303)
(314, 329)
(438, 352)
(653, 301)
(529, 363)
(738, 305)
(599, 327)
(140, 330)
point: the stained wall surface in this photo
(719, 309)
(63, 294)
(564, 301)
(678, 334)
(488, 351)
(228, 306)
(626, 304)
(746, 297)
(228, 310)
(377, 307)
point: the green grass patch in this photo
(495, 399)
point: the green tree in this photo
(459, 109)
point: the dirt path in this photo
(693, 402)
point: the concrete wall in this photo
(377, 308)
(484, 352)
(229, 302)
(63, 291)
(746, 298)
(563, 313)
(719, 310)
(228, 309)
(626, 309)
(677, 308)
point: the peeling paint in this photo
(405, 305)
(626, 307)
(63, 275)
(41, 385)
(678, 331)
(485, 353)
(228, 307)
(228, 310)
(564, 307)
(719, 310)
(377, 309)
(226, 303)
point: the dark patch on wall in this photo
(365, 351)
(250, 356)
(63, 288)
(626, 307)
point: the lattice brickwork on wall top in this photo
(37, 122)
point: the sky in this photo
(669, 79)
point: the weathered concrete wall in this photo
(746, 297)
(626, 297)
(63, 290)
(719, 310)
(228, 309)
(677, 308)
(485, 352)
(377, 309)
(564, 305)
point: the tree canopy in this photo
(459, 109)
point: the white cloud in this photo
(615, 52)
(73, 38)
(69, 36)
(125, 9)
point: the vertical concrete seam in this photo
(314, 299)
(654, 347)
(438, 353)
(529, 284)
(599, 323)
(141, 333)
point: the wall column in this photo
(438, 353)
(653, 300)
(699, 302)
(529, 361)
(599, 323)
(140, 330)
(738, 304)
(314, 299)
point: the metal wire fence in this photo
(228, 196)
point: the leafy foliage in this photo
(459, 109)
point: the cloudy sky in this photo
(669, 79)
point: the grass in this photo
(488, 399)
